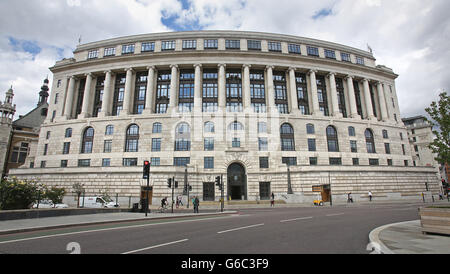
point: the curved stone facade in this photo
(203, 101)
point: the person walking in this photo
(180, 202)
(272, 200)
(196, 204)
(370, 196)
(349, 198)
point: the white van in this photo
(96, 202)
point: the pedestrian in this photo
(441, 196)
(180, 202)
(193, 202)
(196, 204)
(370, 196)
(272, 200)
(349, 198)
(177, 202)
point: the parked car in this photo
(96, 202)
(48, 204)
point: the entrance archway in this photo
(237, 182)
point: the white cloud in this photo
(410, 36)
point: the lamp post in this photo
(289, 180)
(331, 193)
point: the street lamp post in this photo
(289, 179)
(331, 193)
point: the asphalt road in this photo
(319, 230)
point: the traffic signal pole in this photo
(173, 190)
(148, 190)
(222, 192)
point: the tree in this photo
(18, 194)
(440, 115)
(78, 189)
(55, 194)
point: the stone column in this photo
(198, 88)
(334, 96)
(86, 96)
(69, 98)
(221, 85)
(389, 107)
(246, 88)
(383, 108)
(173, 88)
(315, 99)
(127, 96)
(107, 94)
(368, 100)
(270, 90)
(352, 98)
(149, 99)
(293, 92)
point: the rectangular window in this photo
(168, 45)
(355, 161)
(210, 44)
(406, 163)
(359, 60)
(290, 161)
(293, 48)
(322, 95)
(181, 161)
(313, 161)
(162, 91)
(263, 162)
(106, 162)
(59, 83)
(232, 44)
(157, 128)
(374, 162)
(43, 164)
(210, 91)
(387, 148)
(45, 149)
(253, 45)
(93, 54)
(302, 93)
(236, 142)
(234, 90)
(262, 144)
(389, 162)
(345, 57)
(84, 163)
(63, 163)
(156, 144)
(280, 89)
(209, 144)
(262, 127)
(155, 161)
(186, 91)
(274, 46)
(403, 149)
(257, 91)
(66, 148)
(189, 44)
(128, 49)
(264, 190)
(330, 54)
(148, 46)
(312, 51)
(311, 144)
(107, 146)
(47, 135)
(209, 162)
(335, 161)
(56, 98)
(110, 52)
(129, 161)
(353, 146)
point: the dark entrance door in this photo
(237, 182)
(208, 192)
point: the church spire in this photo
(43, 94)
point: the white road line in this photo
(337, 214)
(107, 229)
(239, 228)
(155, 246)
(296, 219)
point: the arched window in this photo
(332, 139)
(157, 128)
(109, 130)
(287, 137)
(183, 137)
(209, 127)
(236, 126)
(351, 131)
(310, 129)
(370, 143)
(68, 132)
(132, 139)
(88, 140)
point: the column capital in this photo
(222, 65)
(89, 74)
(72, 77)
(270, 67)
(151, 67)
(292, 69)
(331, 73)
(197, 65)
(246, 66)
(349, 77)
(312, 71)
(129, 69)
(174, 66)
(364, 80)
(108, 71)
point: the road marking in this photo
(107, 229)
(239, 228)
(337, 214)
(155, 246)
(296, 219)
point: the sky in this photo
(410, 36)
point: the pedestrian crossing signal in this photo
(169, 182)
(146, 171)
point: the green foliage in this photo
(78, 189)
(440, 115)
(55, 194)
(18, 194)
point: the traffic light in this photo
(176, 184)
(218, 183)
(169, 182)
(146, 171)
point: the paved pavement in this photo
(407, 238)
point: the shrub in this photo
(18, 194)
(55, 194)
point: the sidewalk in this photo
(407, 238)
(26, 225)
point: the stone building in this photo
(293, 116)
(420, 135)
